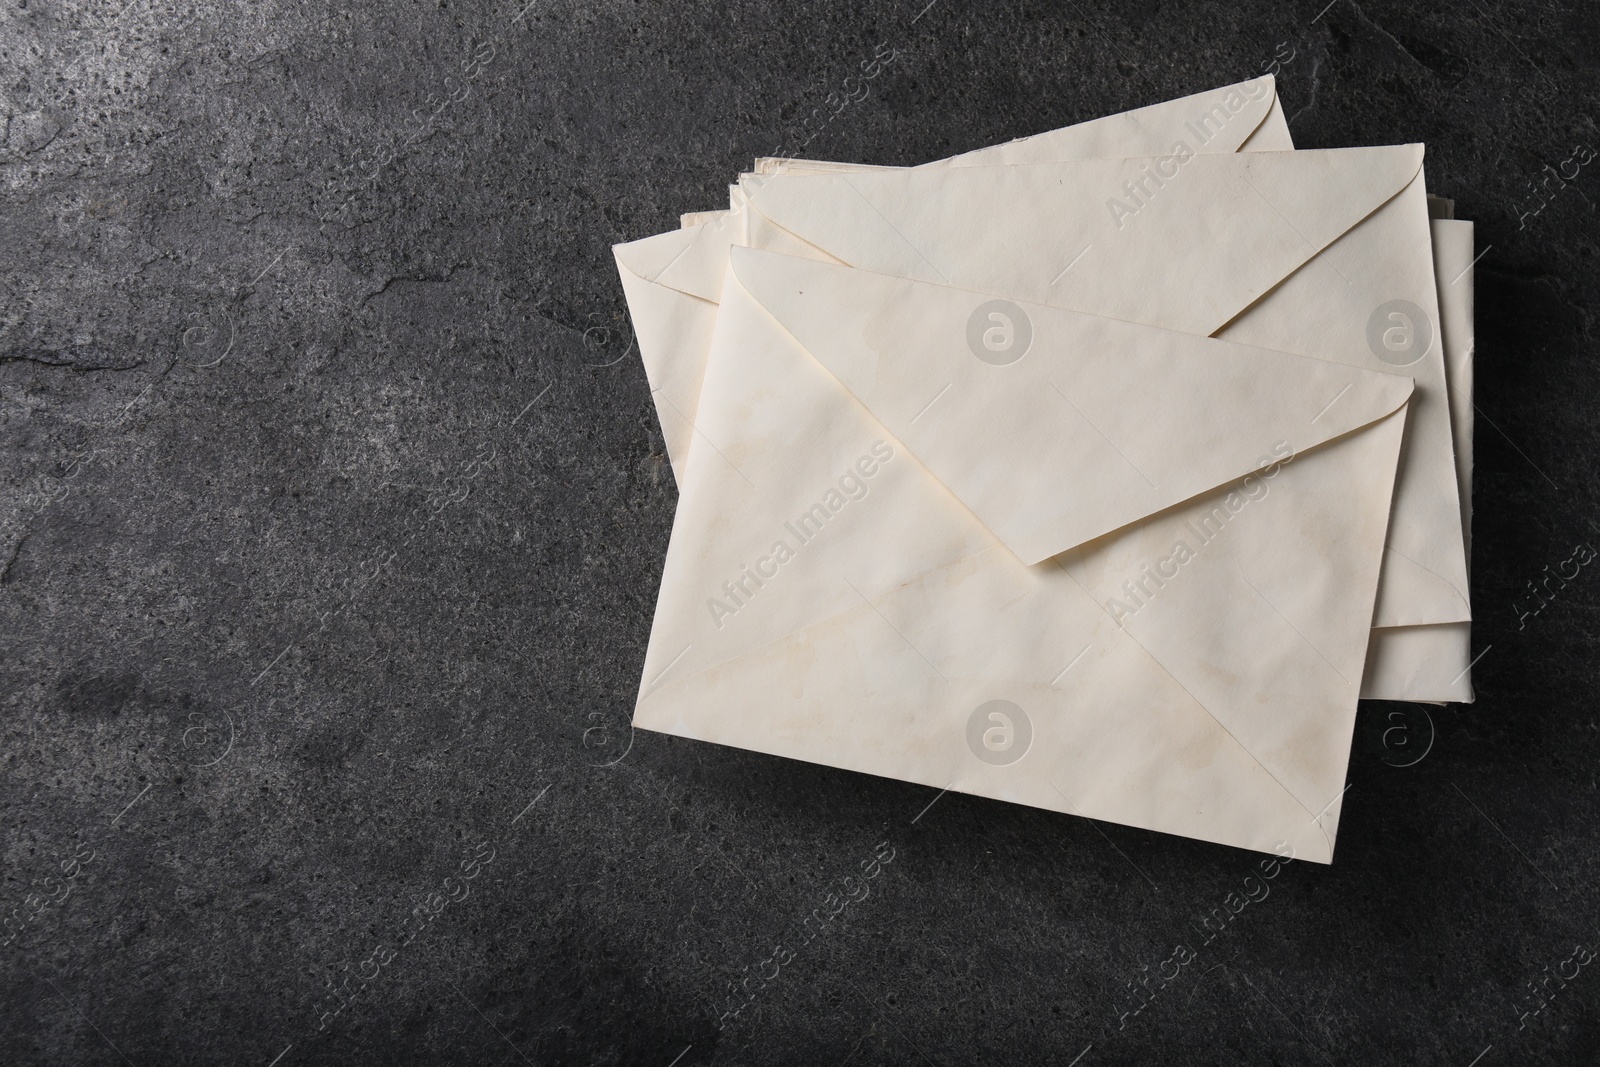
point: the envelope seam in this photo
(1316, 251)
(909, 244)
(1197, 701)
(768, 219)
(1272, 102)
(1447, 582)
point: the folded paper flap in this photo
(649, 256)
(1414, 594)
(660, 314)
(688, 259)
(691, 262)
(1229, 115)
(793, 165)
(1234, 113)
(1273, 133)
(1185, 241)
(1052, 426)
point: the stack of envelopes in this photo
(1100, 471)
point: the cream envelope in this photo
(834, 592)
(672, 280)
(1246, 117)
(1322, 253)
(1431, 663)
(698, 218)
(1418, 661)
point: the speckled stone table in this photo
(334, 504)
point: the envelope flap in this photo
(1052, 426)
(1234, 111)
(693, 260)
(1184, 241)
(649, 256)
(679, 259)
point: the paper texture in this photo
(827, 598)
(1432, 663)
(1064, 443)
(686, 265)
(1319, 247)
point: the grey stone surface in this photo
(334, 504)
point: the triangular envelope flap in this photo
(689, 259)
(1052, 426)
(1273, 133)
(648, 257)
(662, 319)
(698, 267)
(1226, 116)
(1221, 118)
(1184, 241)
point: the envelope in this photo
(671, 281)
(691, 219)
(1413, 658)
(1322, 253)
(1246, 117)
(1433, 663)
(1408, 661)
(841, 584)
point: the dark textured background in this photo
(301, 601)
